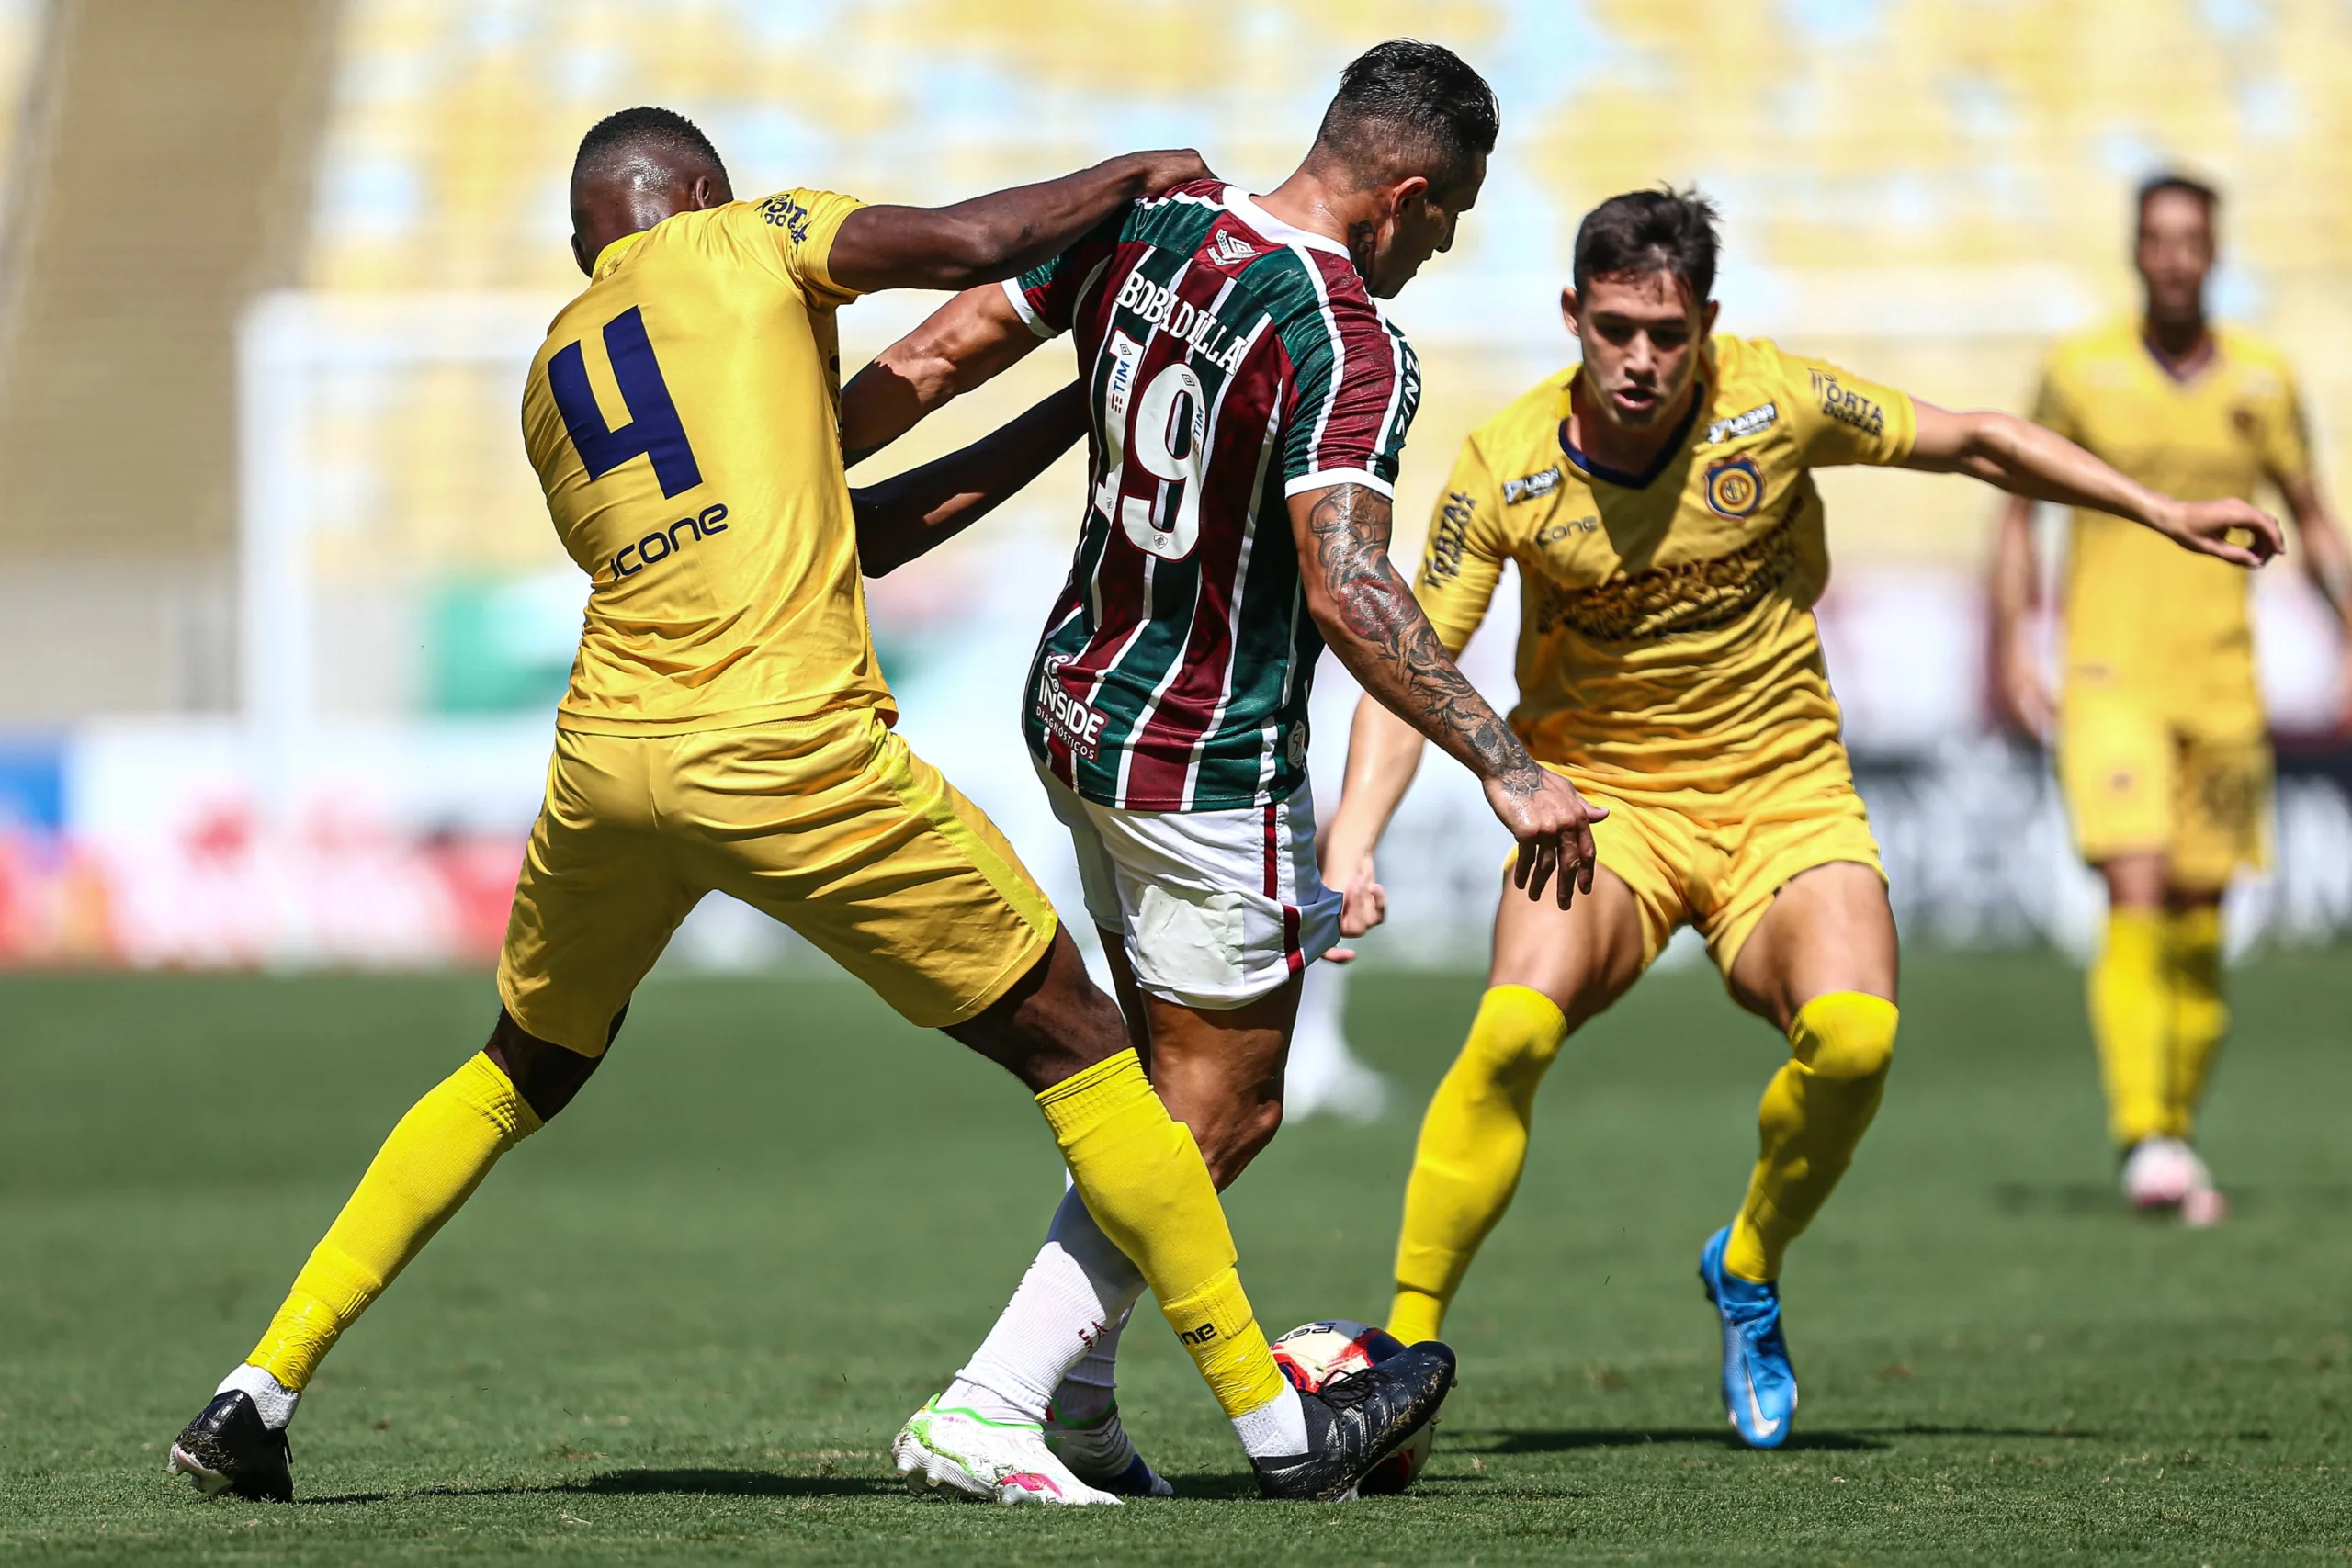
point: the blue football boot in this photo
(1759, 1386)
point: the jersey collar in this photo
(1700, 394)
(1274, 228)
(2183, 375)
(612, 254)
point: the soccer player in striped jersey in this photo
(1248, 402)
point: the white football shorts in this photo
(1215, 909)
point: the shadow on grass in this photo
(1223, 1486)
(1522, 1440)
(651, 1483)
(2098, 1200)
(2070, 1199)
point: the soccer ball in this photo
(1315, 1355)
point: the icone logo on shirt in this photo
(663, 543)
(1553, 533)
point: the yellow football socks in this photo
(2131, 1007)
(1143, 1181)
(1472, 1147)
(2200, 1015)
(1814, 1113)
(433, 1161)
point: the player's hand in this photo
(2206, 526)
(1164, 170)
(1364, 902)
(2023, 697)
(1554, 826)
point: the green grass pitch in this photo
(681, 1325)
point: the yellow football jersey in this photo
(683, 418)
(2140, 612)
(1666, 638)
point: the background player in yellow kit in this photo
(2162, 745)
(727, 729)
(1659, 503)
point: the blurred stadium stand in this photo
(289, 617)
(160, 175)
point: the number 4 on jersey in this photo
(653, 429)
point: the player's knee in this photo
(546, 1075)
(1846, 1035)
(1240, 1139)
(1516, 1037)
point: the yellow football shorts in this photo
(2138, 779)
(829, 824)
(1715, 859)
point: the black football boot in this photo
(1357, 1422)
(227, 1448)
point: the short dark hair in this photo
(645, 129)
(1650, 231)
(2163, 180)
(1406, 97)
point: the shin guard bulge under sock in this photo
(2200, 1012)
(1142, 1179)
(435, 1158)
(1472, 1149)
(2132, 1024)
(1814, 1113)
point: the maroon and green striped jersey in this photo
(1231, 362)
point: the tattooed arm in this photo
(1367, 612)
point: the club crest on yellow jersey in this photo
(1736, 487)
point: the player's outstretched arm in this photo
(2021, 457)
(1368, 616)
(996, 236)
(912, 513)
(974, 337)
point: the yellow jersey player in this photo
(2161, 747)
(728, 729)
(1659, 503)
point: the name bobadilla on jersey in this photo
(1231, 362)
(1201, 332)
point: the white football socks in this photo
(273, 1399)
(1276, 1429)
(1070, 1301)
(1090, 1389)
(1058, 1342)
